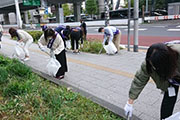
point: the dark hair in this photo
(13, 32)
(68, 27)
(100, 29)
(161, 59)
(48, 33)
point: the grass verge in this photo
(25, 96)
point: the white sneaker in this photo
(26, 59)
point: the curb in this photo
(115, 109)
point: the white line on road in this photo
(141, 29)
(173, 30)
(158, 26)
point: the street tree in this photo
(91, 7)
(66, 10)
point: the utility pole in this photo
(129, 21)
(146, 6)
(136, 24)
(106, 13)
(18, 15)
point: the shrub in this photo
(93, 47)
(19, 69)
(35, 34)
(3, 76)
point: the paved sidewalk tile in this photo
(102, 78)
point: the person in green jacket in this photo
(162, 64)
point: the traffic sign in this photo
(31, 2)
(46, 11)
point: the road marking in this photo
(178, 26)
(158, 26)
(122, 27)
(173, 30)
(140, 29)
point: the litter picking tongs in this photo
(127, 117)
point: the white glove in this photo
(128, 109)
(52, 54)
(43, 49)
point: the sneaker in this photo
(26, 59)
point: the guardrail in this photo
(166, 17)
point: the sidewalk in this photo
(102, 78)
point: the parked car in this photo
(69, 18)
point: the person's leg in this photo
(26, 47)
(116, 40)
(77, 44)
(168, 103)
(61, 57)
(72, 43)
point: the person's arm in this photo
(41, 42)
(140, 80)
(108, 34)
(60, 45)
(20, 36)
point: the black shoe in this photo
(60, 77)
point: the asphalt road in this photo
(148, 33)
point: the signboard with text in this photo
(31, 2)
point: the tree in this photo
(91, 7)
(66, 10)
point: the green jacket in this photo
(142, 77)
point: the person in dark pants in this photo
(162, 64)
(54, 42)
(83, 28)
(76, 35)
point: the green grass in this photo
(92, 47)
(24, 95)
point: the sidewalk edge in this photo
(115, 109)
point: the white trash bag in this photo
(110, 48)
(68, 44)
(175, 116)
(18, 51)
(53, 66)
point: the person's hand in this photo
(128, 109)
(43, 49)
(52, 54)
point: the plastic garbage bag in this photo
(68, 44)
(175, 116)
(110, 48)
(18, 50)
(53, 66)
